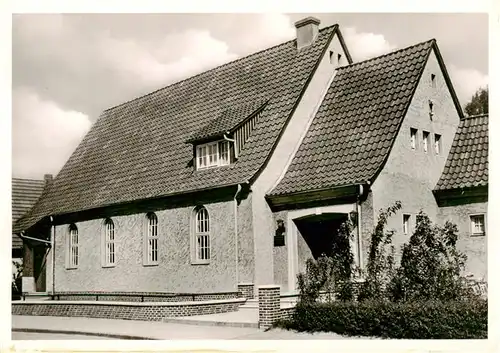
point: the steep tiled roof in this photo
(228, 119)
(137, 150)
(354, 129)
(467, 163)
(25, 193)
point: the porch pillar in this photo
(269, 305)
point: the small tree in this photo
(380, 265)
(430, 264)
(478, 103)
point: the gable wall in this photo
(174, 273)
(410, 175)
(263, 221)
(475, 247)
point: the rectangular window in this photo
(477, 224)
(413, 138)
(406, 223)
(437, 143)
(152, 240)
(213, 154)
(425, 141)
(73, 247)
(110, 244)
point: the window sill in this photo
(109, 266)
(152, 264)
(474, 235)
(200, 262)
(72, 268)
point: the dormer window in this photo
(214, 154)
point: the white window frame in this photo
(109, 244)
(73, 256)
(473, 224)
(406, 223)
(201, 241)
(437, 143)
(213, 154)
(151, 240)
(425, 141)
(413, 138)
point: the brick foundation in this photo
(269, 305)
(246, 290)
(125, 311)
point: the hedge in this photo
(420, 320)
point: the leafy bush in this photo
(17, 280)
(431, 265)
(418, 319)
(330, 273)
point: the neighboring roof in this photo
(354, 129)
(467, 163)
(25, 193)
(228, 119)
(137, 150)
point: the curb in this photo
(70, 332)
(211, 323)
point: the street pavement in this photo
(73, 328)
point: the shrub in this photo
(17, 280)
(431, 265)
(418, 319)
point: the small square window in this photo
(213, 154)
(425, 141)
(406, 223)
(477, 224)
(413, 138)
(437, 143)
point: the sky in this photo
(68, 68)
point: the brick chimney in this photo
(307, 31)
(48, 179)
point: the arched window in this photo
(152, 239)
(73, 246)
(202, 235)
(109, 243)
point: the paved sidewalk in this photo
(127, 329)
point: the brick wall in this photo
(246, 290)
(129, 273)
(139, 311)
(410, 175)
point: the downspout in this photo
(35, 239)
(235, 199)
(235, 148)
(360, 235)
(53, 245)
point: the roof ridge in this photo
(387, 54)
(209, 70)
